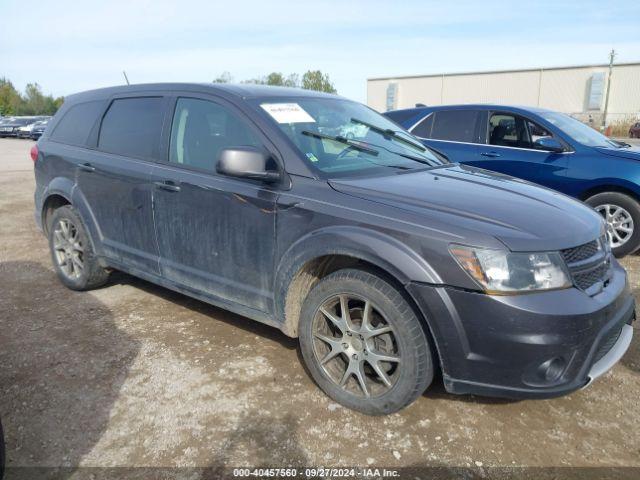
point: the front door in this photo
(510, 148)
(216, 234)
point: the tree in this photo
(33, 102)
(9, 98)
(316, 80)
(225, 77)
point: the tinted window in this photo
(423, 129)
(455, 125)
(75, 125)
(401, 116)
(201, 129)
(132, 127)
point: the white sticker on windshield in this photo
(287, 113)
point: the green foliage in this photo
(9, 98)
(33, 102)
(312, 80)
(316, 80)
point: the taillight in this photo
(34, 153)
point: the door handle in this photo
(167, 185)
(490, 154)
(86, 167)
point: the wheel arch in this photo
(63, 191)
(626, 188)
(321, 253)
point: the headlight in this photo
(501, 272)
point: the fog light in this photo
(552, 369)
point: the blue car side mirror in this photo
(549, 144)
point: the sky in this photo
(70, 46)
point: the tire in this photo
(629, 209)
(393, 332)
(72, 254)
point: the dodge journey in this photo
(316, 215)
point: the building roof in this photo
(488, 72)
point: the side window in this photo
(536, 132)
(508, 130)
(423, 129)
(455, 125)
(132, 127)
(75, 125)
(201, 129)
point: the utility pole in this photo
(612, 56)
(127, 79)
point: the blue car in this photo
(542, 146)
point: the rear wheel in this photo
(622, 214)
(363, 343)
(72, 253)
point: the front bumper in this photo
(536, 345)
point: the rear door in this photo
(455, 133)
(509, 147)
(115, 179)
(216, 234)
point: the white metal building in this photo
(579, 91)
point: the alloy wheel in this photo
(356, 346)
(619, 223)
(68, 249)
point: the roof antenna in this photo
(125, 77)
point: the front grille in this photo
(607, 343)
(578, 254)
(584, 280)
(588, 263)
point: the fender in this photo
(67, 188)
(601, 185)
(387, 253)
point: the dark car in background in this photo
(387, 262)
(545, 147)
(38, 129)
(634, 130)
(11, 127)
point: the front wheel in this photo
(622, 214)
(363, 343)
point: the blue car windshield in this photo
(577, 130)
(342, 138)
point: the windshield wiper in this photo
(387, 132)
(431, 163)
(343, 140)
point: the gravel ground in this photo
(135, 375)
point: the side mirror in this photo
(246, 162)
(549, 144)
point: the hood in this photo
(523, 216)
(632, 153)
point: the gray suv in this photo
(385, 260)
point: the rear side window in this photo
(132, 127)
(75, 125)
(455, 125)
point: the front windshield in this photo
(340, 137)
(578, 131)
